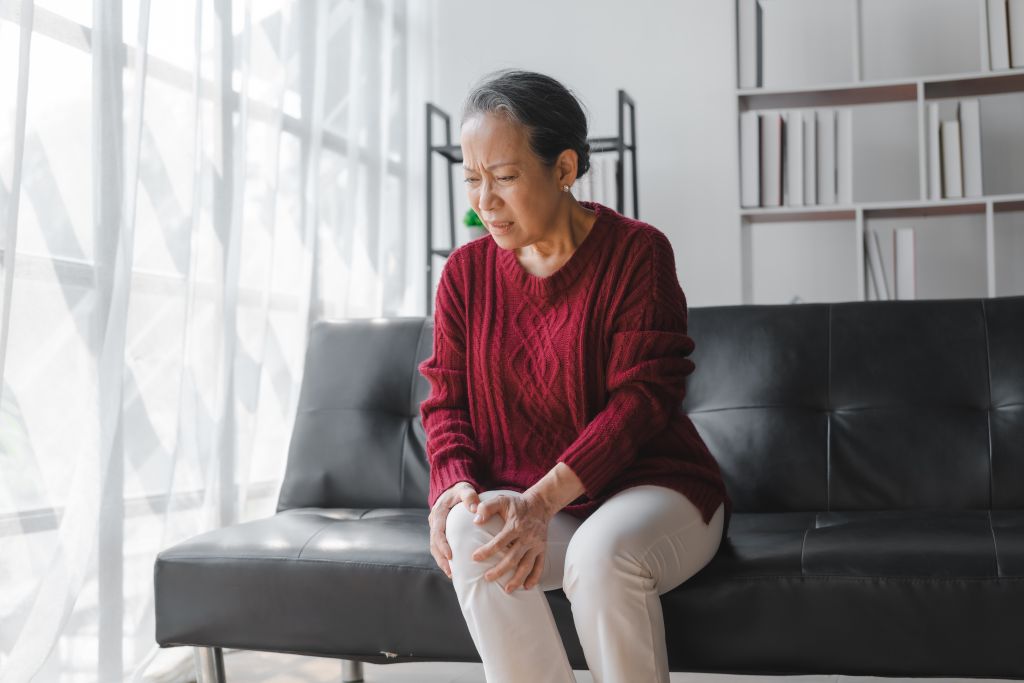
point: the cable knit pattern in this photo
(586, 366)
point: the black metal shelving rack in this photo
(452, 153)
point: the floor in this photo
(265, 667)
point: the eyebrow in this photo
(500, 163)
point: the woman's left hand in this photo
(522, 541)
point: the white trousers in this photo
(613, 566)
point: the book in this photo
(844, 156)
(952, 176)
(771, 159)
(905, 268)
(794, 159)
(969, 114)
(876, 267)
(750, 20)
(1015, 23)
(810, 160)
(934, 152)
(826, 156)
(998, 35)
(750, 159)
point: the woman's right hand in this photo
(462, 492)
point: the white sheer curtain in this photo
(184, 186)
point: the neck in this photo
(572, 228)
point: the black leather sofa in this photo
(874, 452)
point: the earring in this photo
(565, 188)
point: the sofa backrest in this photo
(843, 406)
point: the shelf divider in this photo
(858, 237)
(858, 37)
(990, 249)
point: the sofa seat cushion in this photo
(873, 593)
(362, 582)
(868, 543)
(317, 581)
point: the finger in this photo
(470, 499)
(538, 569)
(507, 564)
(441, 562)
(501, 539)
(523, 569)
(495, 505)
(439, 537)
(483, 511)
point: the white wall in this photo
(675, 59)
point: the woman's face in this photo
(516, 196)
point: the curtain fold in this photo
(184, 188)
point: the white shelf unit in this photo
(919, 90)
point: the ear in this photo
(566, 166)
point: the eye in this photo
(506, 177)
(470, 180)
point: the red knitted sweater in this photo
(586, 366)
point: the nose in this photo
(487, 195)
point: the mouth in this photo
(501, 228)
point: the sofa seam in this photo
(803, 543)
(413, 410)
(205, 558)
(763, 577)
(995, 546)
(298, 555)
(828, 420)
(988, 411)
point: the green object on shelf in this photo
(471, 219)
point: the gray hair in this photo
(551, 114)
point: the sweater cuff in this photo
(453, 470)
(607, 445)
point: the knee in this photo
(465, 536)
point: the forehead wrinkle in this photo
(493, 166)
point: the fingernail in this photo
(472, 507)
(477, 518)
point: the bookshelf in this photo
(917, 92)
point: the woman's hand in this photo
(462, 492)
(522, 541)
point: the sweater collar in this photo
(568, 271)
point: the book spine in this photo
(810, 160)
(903, 251)
(748, 40)
(970, 133)
(844, 156)
(952, 175)
(794, 158)
(750, 158)
(827, 156)
(771, 159)
(1015, 20)
(875, 261)
(934, 152)
(998, 35)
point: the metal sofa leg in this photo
(351, 671)
(209, 665)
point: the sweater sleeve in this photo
(647, 368)
(452, 448)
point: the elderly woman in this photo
(559, 454)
